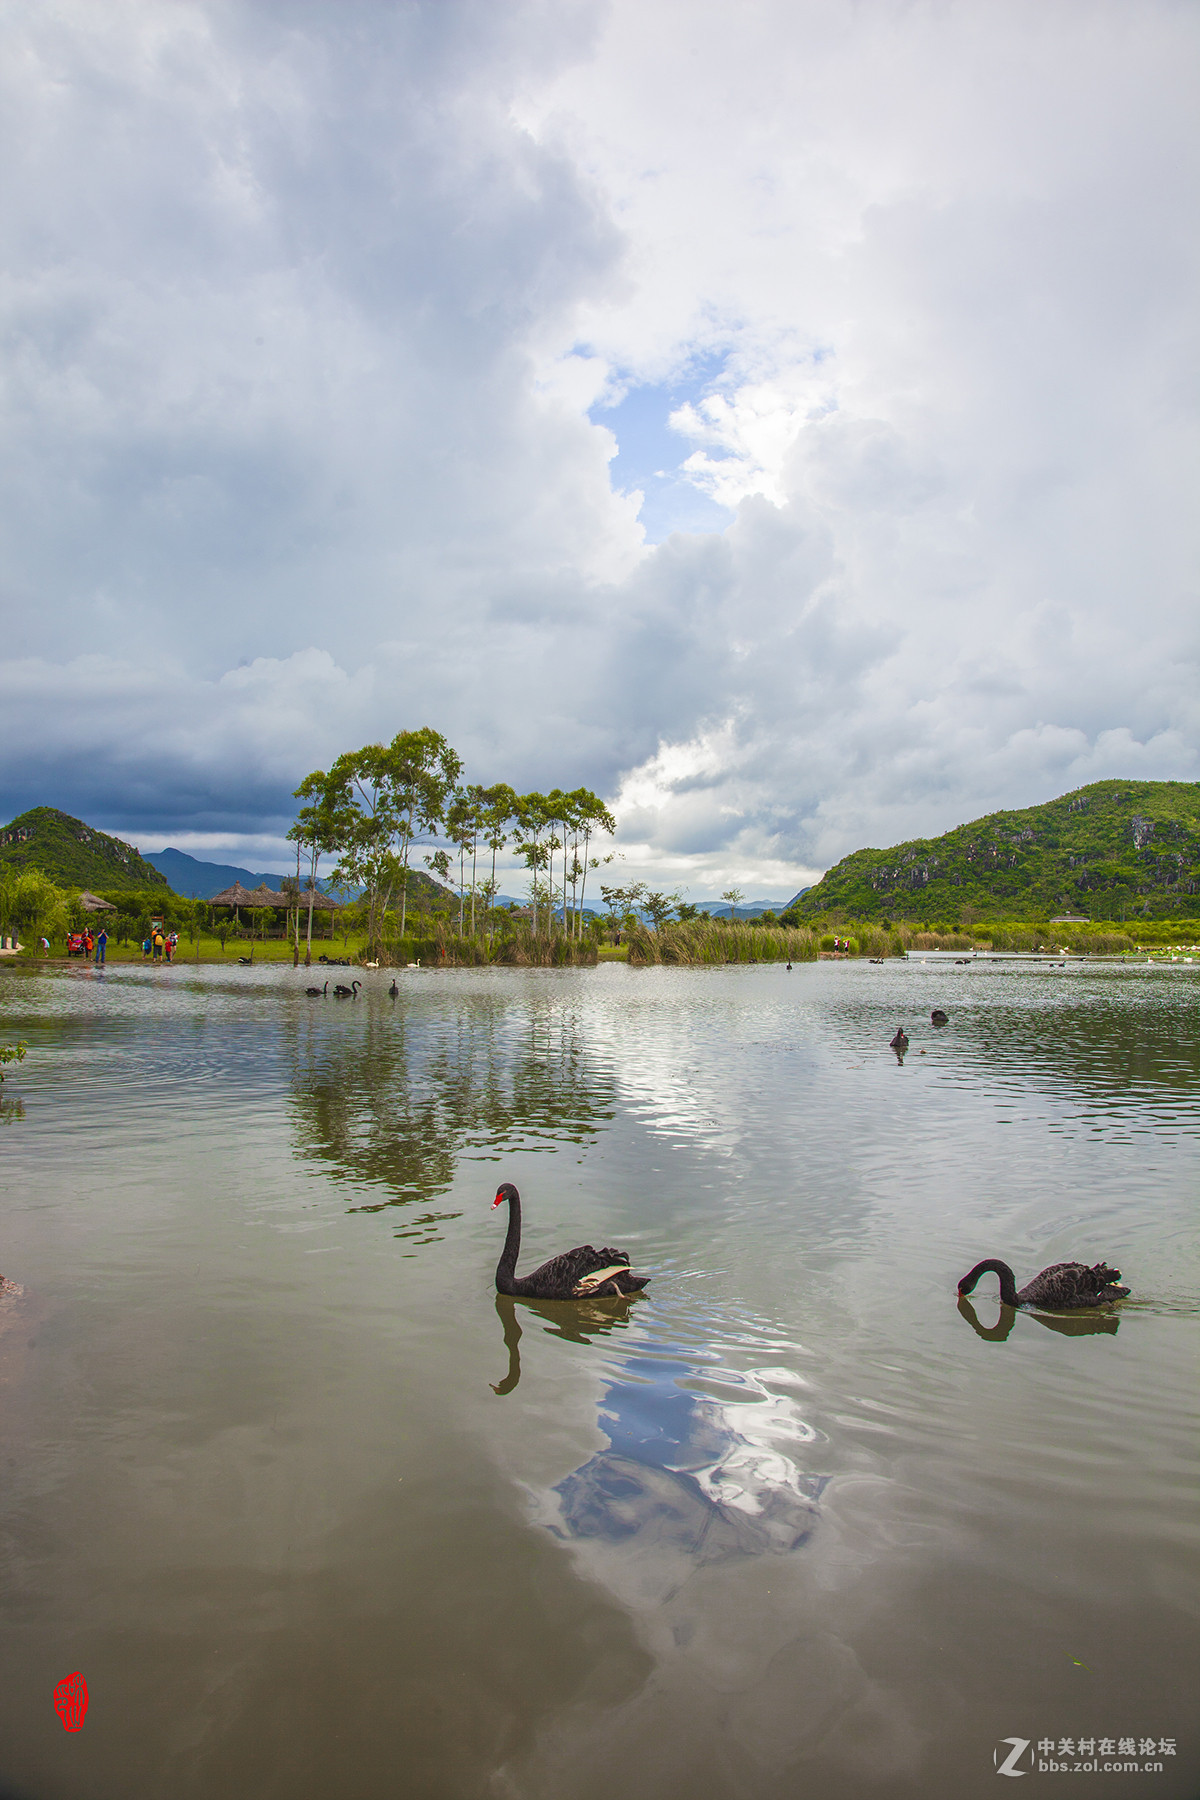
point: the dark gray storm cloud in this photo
(305, 311)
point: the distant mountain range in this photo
(1110, 849)
(76, 855)
(749, 909)
(197, 880)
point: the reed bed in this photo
(515, 945)
(711, 941)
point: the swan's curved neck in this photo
(506, 1267)
(992, 1266)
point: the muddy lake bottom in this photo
(319, 1517)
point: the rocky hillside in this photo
(1112, 849)
(73, 854)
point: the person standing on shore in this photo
(159, 943)
(101, 945)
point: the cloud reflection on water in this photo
(686, 1479)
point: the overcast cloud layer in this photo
(324, 324)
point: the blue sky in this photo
(650, 454)
(311, 325)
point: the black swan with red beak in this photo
(1058, 1288)
(580, 1274)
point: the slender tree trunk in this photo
(296, 935)
(533, 869)
(587, 838)
(408, 832)
(575, 885)
(474, 857)
(492, 898)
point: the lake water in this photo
(316, 1515)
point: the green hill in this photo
(1110, 850)
(74, 854)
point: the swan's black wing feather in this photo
(1064, 1285)
(561, 1277)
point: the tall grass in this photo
(706, 941)
(515, 945)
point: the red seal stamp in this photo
(71, 1701)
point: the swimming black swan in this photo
(347, 993)
(900, 1041)
(577, 1274)
(938, 1017)
(393, 990)
(1060, 1287)
(317, 993)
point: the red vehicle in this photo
(77, 944)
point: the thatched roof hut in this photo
(265, 896)
(93, 903)
(321, 902)
(237, 895)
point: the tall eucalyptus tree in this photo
(590, 816)
(532, 823)
(397, 792)
(319, 829)
(499, 808)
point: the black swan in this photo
(317, 993)
(1061, 1286)
(393, 990)
(900, 1041)
(347, 993)
(578, 1274)
(938, 1017)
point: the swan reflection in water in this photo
(1069, 1324)
(681, 1484)
(577, 1320)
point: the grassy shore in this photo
(697, 941)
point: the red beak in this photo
(498, 1201)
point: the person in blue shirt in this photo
(101, 944)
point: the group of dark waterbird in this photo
(586, 1273)
(1062, 1287)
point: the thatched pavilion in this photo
(238, 896)
(235, 896)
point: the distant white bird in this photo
(373, 965)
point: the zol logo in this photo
(1016, 1750)
(71, 1701)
